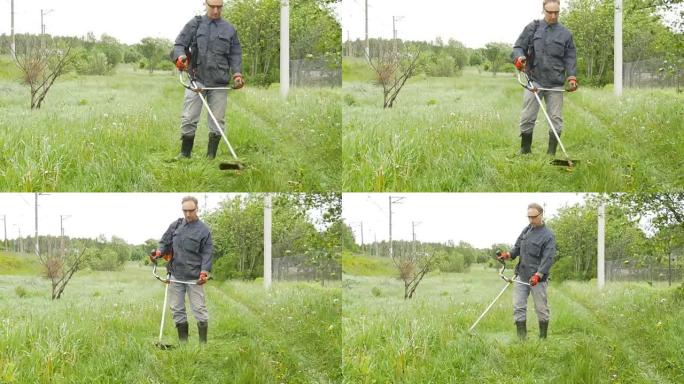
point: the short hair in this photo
(537, 207)
(551, 1)
(190, 198)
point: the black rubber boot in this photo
(182, 332)
(186, 146)
(525, 143)
(212, 146)
(553, 143)
(202, 328)
(543, 328)
(522, 329)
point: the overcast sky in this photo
(480, 219)
(134, 217)
(127, 20)
(472, 22)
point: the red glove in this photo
(238, 81)
(520, 63)
(182, 62)
(572, 84)
(154, 255)
(503, 255)
(534, 280)
(202, 279)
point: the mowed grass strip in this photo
(461, 134)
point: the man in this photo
(546, 51)
(536, 247)
(214, 52)
(188, 242)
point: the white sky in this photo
(127, 20)
(480, 219)
(472, 22)
(134, 217)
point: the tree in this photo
(497, 54)
(41, 61)
(412, 267)
(154, 51)
(392, 70)
(61, 268)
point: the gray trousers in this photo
(520, 294)
(195, 293)
(554, 107)
(192, 108)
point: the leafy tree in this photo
(497, 55)
(155, 51)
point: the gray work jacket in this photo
(554, 57)
(192, 248)
(219, 53)
(537, 249)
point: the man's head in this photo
(214, 8)
(535, 214)
(189, 205)
(551, 11)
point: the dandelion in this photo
(659, 324)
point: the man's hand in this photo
(534, 280)
(572, 84)
(238, 81)
(182, 62)
(154, 255)
(203, 278)
(520, 63)
(503, 255)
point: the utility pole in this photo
(367, 43)
(392, 200)
(13, 46)
(4, 221)
(284, 48)
(267, 241)
(37, 246)
(413, 228)
(617, 64)
(61, 231)
(394, 31)
(44, 12)
(600, 267)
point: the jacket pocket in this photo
(534, 249)
(191, 245)
(556, 48)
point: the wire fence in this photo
(305, 268)
(315, 73)
(654, 73)
(628, 270)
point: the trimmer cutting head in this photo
(164, 346)
(231, 166)
(564, 163)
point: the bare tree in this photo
(392, 70)
(60, 269)
(413, 266)
(42, 60)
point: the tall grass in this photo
(104, 328)
(461, 134)
(117, 133)
(627, 333)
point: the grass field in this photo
(116, 133)
(627, 333)
(461, 134)
(104, 328)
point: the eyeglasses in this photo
(214, 6)
(189, 210)
(552, 12)
(533, 217)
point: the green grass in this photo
(461, 134)
(627, 333)
(117, 133)
(18, 264)
(361, 265)
(104, 328)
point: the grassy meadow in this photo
(104, 327)
(462, 134)
(118, 133)
(626, 333)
